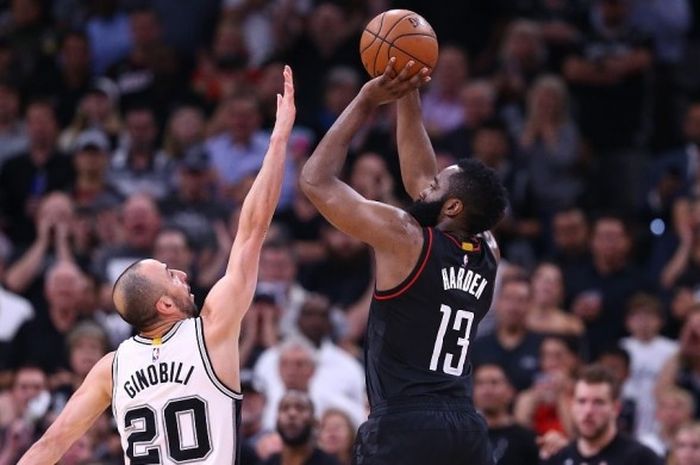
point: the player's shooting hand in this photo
(391, 86)
(286, 110)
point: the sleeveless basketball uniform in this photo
(419, 378)
(169, 405)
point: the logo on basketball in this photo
(414, 21)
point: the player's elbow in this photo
(309, 183)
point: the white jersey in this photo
(169, 405)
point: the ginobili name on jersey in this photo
(157, 374)
(464, 280)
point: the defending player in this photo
(435, 271)
(174, 387)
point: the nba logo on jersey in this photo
(465, 260)
(156, 354)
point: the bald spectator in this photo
(43, 340)
(298, 367)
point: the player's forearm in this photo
(261, 201)
(416, 155)
(42, 452)
(326, 162)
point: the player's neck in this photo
(296, 455)
(159, 330)
(589, 448)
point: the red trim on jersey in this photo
(416, 275)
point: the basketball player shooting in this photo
(435, 270)
(174, 387)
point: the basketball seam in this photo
(381, 23)
(374, 65)
(391, 44)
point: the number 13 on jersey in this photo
(462, 322)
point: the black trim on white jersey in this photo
(199, 324)
(115, 373)
(148, 341)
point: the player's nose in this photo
(182, 276)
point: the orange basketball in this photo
(402, 34)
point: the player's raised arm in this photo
(416, 154)
(372, 222)
(81, 411)
(232, 294)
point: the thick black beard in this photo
(426, 213)
(298, 440)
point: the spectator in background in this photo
(141, 222)
(252, 412)
(478, 101)
(173, 247)
(684, 368)
(192, 205)
(648, 353)
(511, 443)
(546, 315)
(594, 411)
(67, 77)
(523, 57)
(26, 178)
(336, 435)
(675, 409)
(13, 131)
(238, 152)
(42, 340)
(185, 129)
(618, 363)
(608, 76)
(138, 166)
(442, 109)
(570, 243)
(344, 273)
(86, 344)
(341, 84)
(221, 71)
(96, 110)
(686, 445)
(296, 425)
(545, 406)
(601, 288)
(109, 33)
(549, 145)
(511, 346)
(91, 162)
(54, 220)
(28, 382)
(371, 178)
(329, 39)
(260, 329)
(300, 368)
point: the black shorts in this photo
(434, 436)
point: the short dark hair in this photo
(140, 297)
(482, 193)
(598, 374)
(643, 302)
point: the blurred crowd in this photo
(134, 128)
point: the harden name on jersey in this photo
(464, 280)
(156, 374)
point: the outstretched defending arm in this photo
(230, 297)
(81, 411)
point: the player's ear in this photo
(452, 207)
(165, 305)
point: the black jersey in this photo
(419, 333)
(622, 450)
